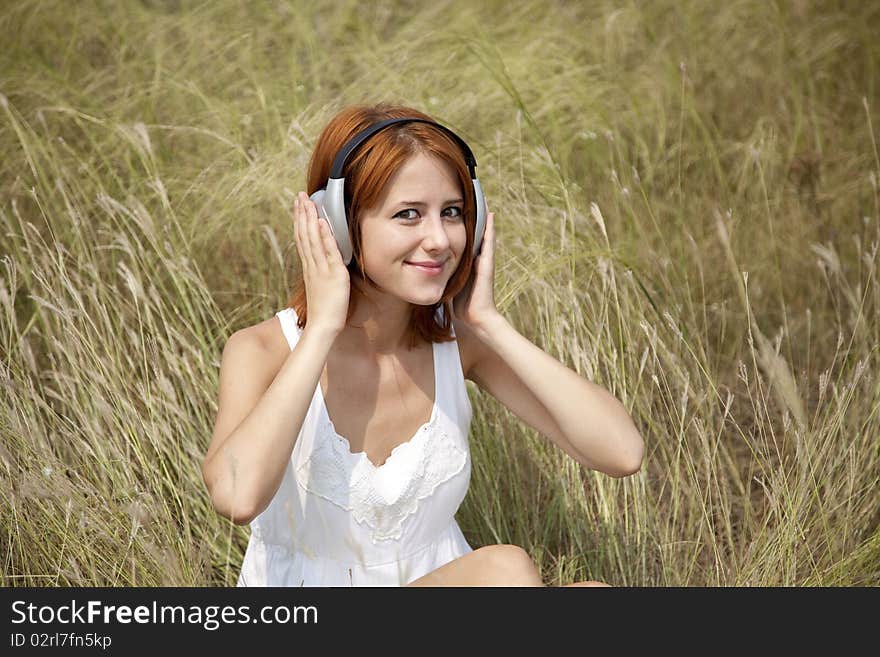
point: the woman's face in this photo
(419, 219)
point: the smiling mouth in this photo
(427, 269)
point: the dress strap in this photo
(288, 319)
(439, 314)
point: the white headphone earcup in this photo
(330, 206)
(481, 217)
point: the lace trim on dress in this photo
(297, 551)
(381, 497)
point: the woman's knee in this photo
(589, 583)
(512, 565)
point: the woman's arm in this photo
(261, 411)
(583, 419)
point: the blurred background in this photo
(686, 197)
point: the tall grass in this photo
(688, 215)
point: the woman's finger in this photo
(492, 233)
(328, 241)
(316, 244)
(297, 238)
(331, 249)
(306, 256)
(490, 236)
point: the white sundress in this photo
(338, 520)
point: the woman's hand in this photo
(326, 278)
(475, 304)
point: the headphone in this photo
(330, 199)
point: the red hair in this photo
(367, 173)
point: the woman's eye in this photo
(403, 211)
(457, 212)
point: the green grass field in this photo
(687, 207)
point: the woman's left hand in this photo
(475, 304)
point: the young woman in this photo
(342, 431)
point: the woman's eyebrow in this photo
(419, 203)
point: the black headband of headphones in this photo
(352, 144)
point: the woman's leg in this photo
(588, 583)
(492, 565)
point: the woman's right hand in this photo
(327, 282)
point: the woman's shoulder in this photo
(268, 336)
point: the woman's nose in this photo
(436, 235)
